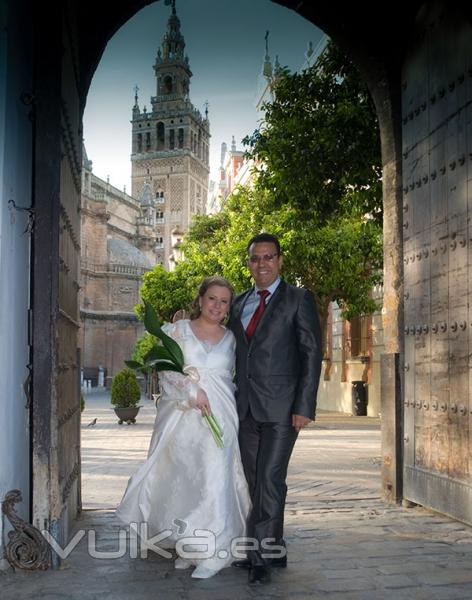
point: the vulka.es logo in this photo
(201, 545)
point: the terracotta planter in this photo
(126, 414)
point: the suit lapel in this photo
(241, 303)
(238, 312)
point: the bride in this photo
(188, 487)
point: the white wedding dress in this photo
(188, 487)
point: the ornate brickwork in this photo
(160, 184)
(176, 193)
(198, 170)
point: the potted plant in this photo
(125, 395)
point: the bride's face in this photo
(215, 302)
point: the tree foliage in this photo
(167, 291)
(318, 147)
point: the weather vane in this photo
(170, 3)
(267, 41)
(136, 90)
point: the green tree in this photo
(318, 181)
(339, 260)
(318, 147)
(142, 346)
(167, 291)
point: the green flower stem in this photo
(215, 429)
(215, 424)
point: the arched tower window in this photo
(160, 135)
(140, 142)
(181, 137)
(171, 139)
(168, 84)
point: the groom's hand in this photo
(299, 422)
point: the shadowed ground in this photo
(343, 542)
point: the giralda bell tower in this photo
(170, 146)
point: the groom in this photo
(278, 363)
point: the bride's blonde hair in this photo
(205, 285)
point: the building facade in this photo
(351, 364)
(119, 243)
(170, 145)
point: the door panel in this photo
(436, 140)
(56, 389)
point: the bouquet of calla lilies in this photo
(167, 356)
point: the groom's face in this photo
(264, 263)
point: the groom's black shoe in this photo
(279, 563)
(259, 574)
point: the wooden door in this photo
(56, 387)
(437, 171)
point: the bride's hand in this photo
(202, 402)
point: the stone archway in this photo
(67, 48)
(63, 79)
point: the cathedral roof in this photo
(121, 252)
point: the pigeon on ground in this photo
(92, 423)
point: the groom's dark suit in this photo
(277, 375)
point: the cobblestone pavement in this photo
(343, 542)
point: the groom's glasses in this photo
(264, 257)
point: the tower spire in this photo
(172, 66)
(173, 43)
(171, 3)
(267, 68)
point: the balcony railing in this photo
(113, 268)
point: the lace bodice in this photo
(203, 361)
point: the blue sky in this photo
(225, 44)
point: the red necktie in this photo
(251, 328)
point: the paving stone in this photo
(394, 581)
(452, 592)
(356, 573)
(447, 575)
(344, 585)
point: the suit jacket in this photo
(278, 370)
